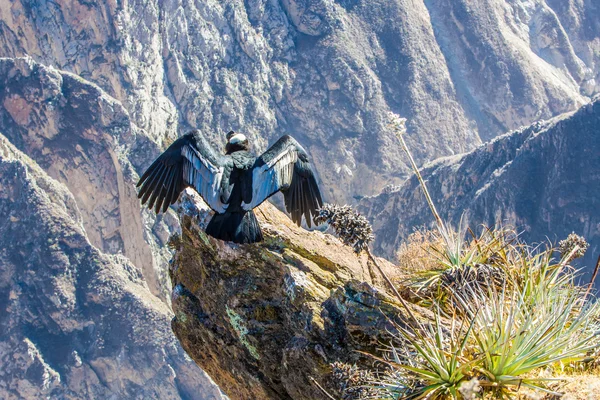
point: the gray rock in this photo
(84, 139)
(76, 322)
(461, 71)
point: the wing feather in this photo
(285, 167)
(163, 201)
(170, 189)
(189, 161)
(145, 192)
(150, 171)
(157, 187)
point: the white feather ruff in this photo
(237, 138)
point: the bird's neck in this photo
(232, 148)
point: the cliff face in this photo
(76, 322)
(266, 320)
(91, 90)
(84, 139)
(324, 70)
(543, 180)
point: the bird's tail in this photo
(237, 227)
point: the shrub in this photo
(454, 264)
(499, 338)
(430, 363)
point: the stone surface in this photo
(76, 322)
(264, 320)
(544, 180)
(325, 71)
(84, 138)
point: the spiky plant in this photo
(351, 227)
(574, 246)
(433, 361)
(500, 338)
(457, 263)
(519, 331)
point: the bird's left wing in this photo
(189, 161)
(285, 167)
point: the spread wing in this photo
(189, 161)
(285, 167)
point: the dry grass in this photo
(581, 387)
(414, 255)
(572, 386)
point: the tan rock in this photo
(264, 320)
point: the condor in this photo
(234, 183)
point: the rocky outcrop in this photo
(544, 180)
(76, 322)
(266, 320)
(84, 139)
(323, 70)
(502, 54)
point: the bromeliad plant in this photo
(517, 332)
(456, 264)
(500, 338)
(503, 312)
(433, 363)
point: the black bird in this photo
(233, 184)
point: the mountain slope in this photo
(84, 138)
(75, 322)
(326, 71)
(543, 180)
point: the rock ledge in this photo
(264, 320)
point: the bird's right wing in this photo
(286, 167)
(189, 161)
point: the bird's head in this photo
(236, 142)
